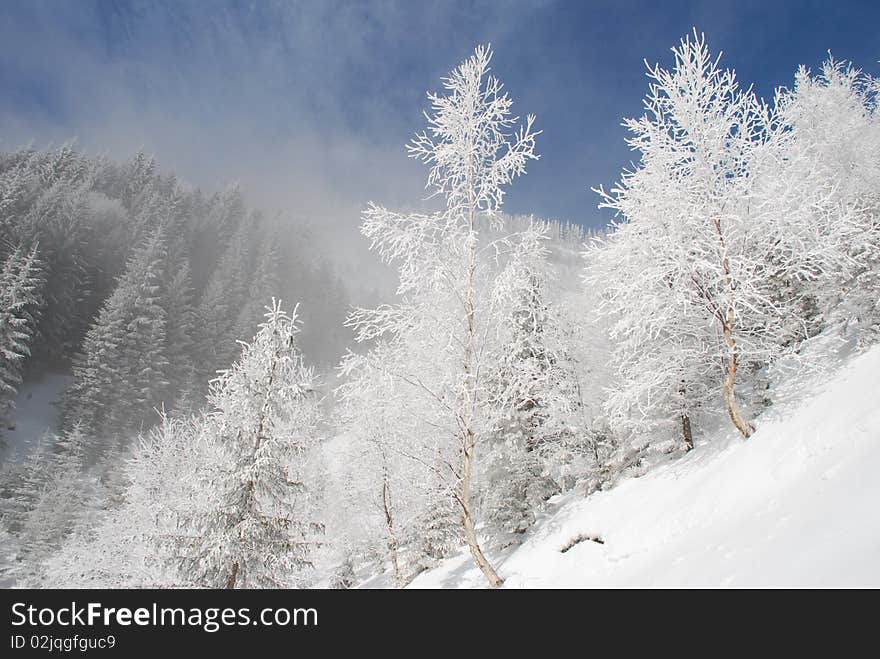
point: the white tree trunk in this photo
(730, 395)
(727, 323)
(389, 524)
(470, 534)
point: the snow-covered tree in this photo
(21, 292)
(263, 529)
(474, 150)
(137, 177)
(140, 542)
(66, 501)
(122, 369)
(219, 307)
(180, 331)
(399, 481)
(371, 473)
(532, 391)
(264, 285)
(708, 230)
(56, 217)
(665, 375)
(827, 137)
(22, 483)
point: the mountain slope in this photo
(795, 505)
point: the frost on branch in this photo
(438, 342)
(724, 230)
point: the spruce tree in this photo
(263, 531)
(20, 298)
(264, 285)
(178, 302)
(532, 392)
(56, 218)
(219, 307)
(122, 369)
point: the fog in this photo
(295, 101)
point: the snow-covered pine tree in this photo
(436, 533)
(474, 148)
(56, 217)
(121, 371)
(264, 285)
(21, 289)
(139, 540)
(16, 179)
(138, 176)
(532, 391)
(180, 330)
(22, 483)
(213, 230)
(263, 530)
(219, 307)
(66, 501)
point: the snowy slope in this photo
(36, 413)
(795, 505)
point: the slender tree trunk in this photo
(470, 533)
(389, 523)
(730, 394)
(467, 416)
(685, 422)
(230, 582)
(727, 324)
(686, 432)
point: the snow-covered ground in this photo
(36, 412)
(795, 505)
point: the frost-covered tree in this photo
(122, 369)
(44, 499)
(532, 391)
(22, 483)
(378, 488)
(21, 291)
(180, 330)
(665, 375)
(66, 500)
(707, 232)
(474, 150)
(827, 137)
(137, 178)
(56, 216)
(263, 529)
(141, 541)
(401, 484)
(264, 285)
(219, 307)
(436, 533)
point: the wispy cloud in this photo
(309, 104)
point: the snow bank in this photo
(795, 505)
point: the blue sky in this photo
(309, 104)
